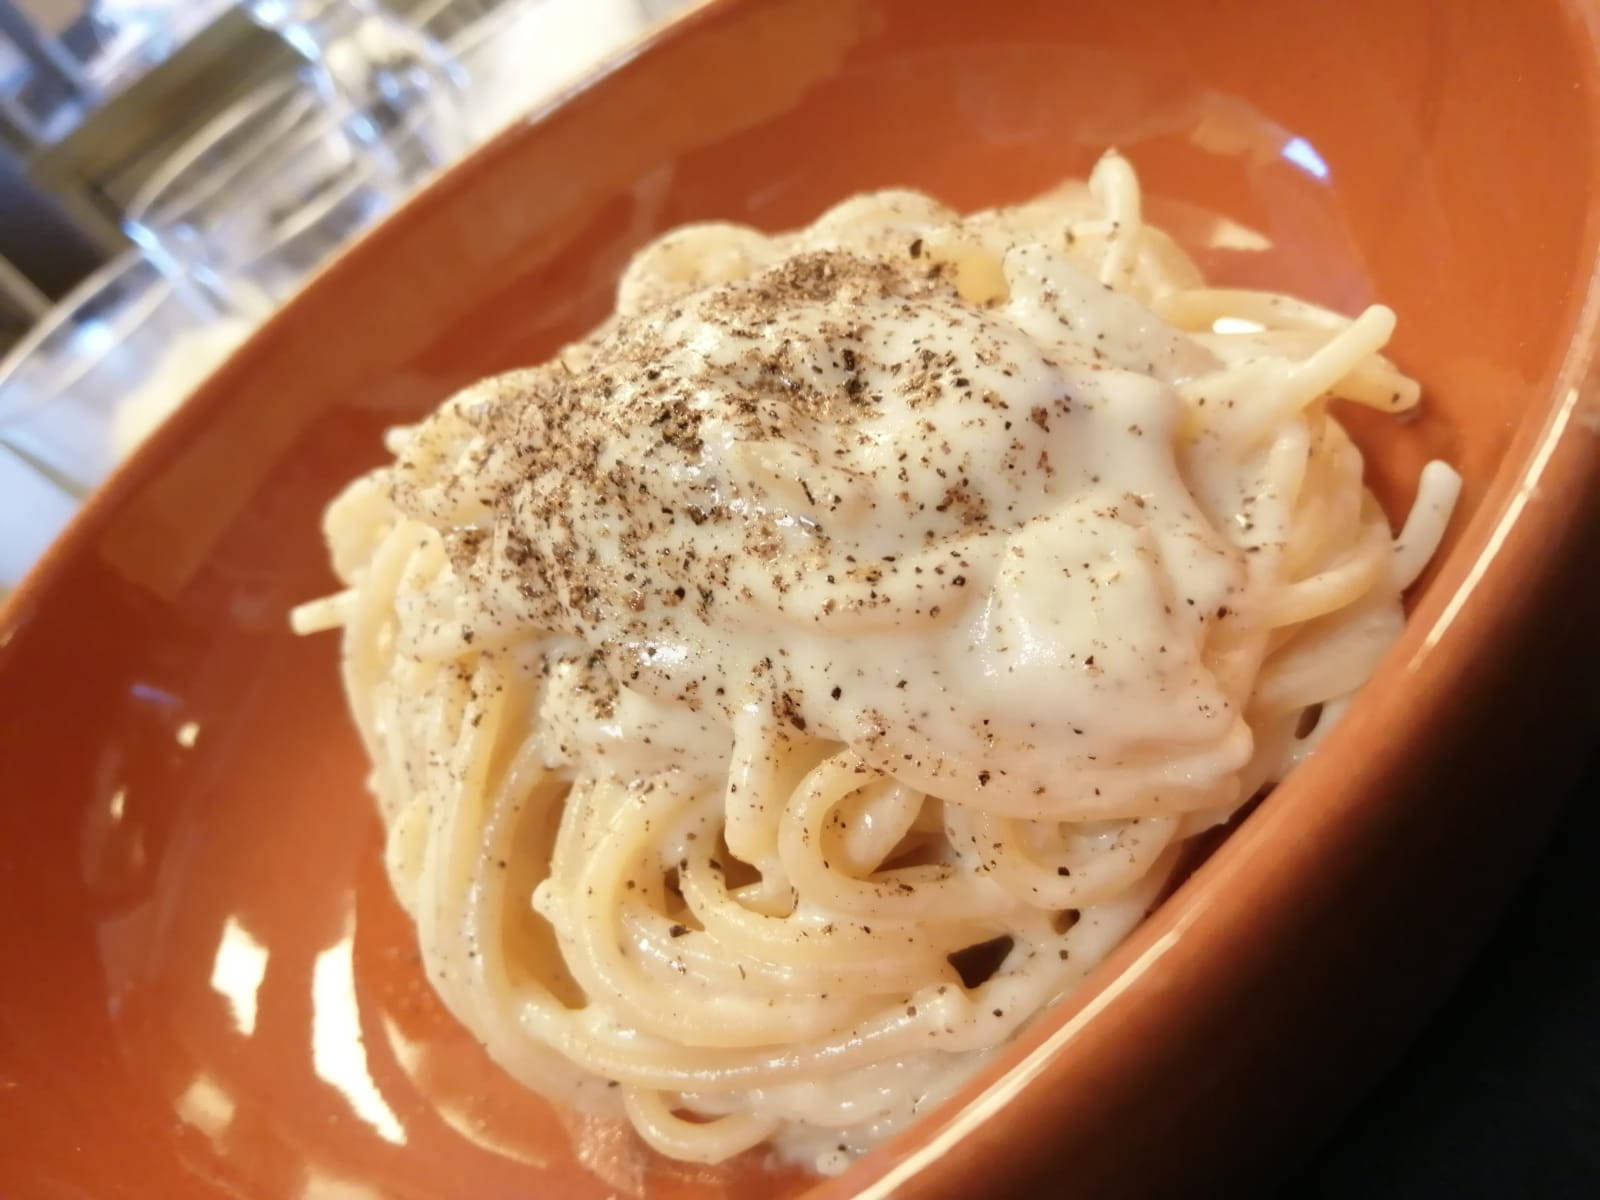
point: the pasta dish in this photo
(791, 689)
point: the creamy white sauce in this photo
(956, 538)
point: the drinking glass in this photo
(263, 195)
(384, 68)
(104, 367)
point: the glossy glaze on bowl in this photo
(206, 988)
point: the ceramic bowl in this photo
(207, 988)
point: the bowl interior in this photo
(208, 986)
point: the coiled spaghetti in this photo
(792, 689)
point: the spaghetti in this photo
(790, 690)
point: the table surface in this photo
(1500, 1095)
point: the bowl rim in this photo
(1542, 490)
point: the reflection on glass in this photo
(151, 694)
(338, 1054)
(112, 848)
(1228, 234)
(1304, 155)
(188, 733)
(206, 1106)
(1204, 230)
(323, 1185)
(240, 965)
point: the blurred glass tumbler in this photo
(384, 68)
(263, 195)
(103, 368)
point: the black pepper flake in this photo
(677, 931)
(789, 708)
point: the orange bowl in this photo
(208, 989)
